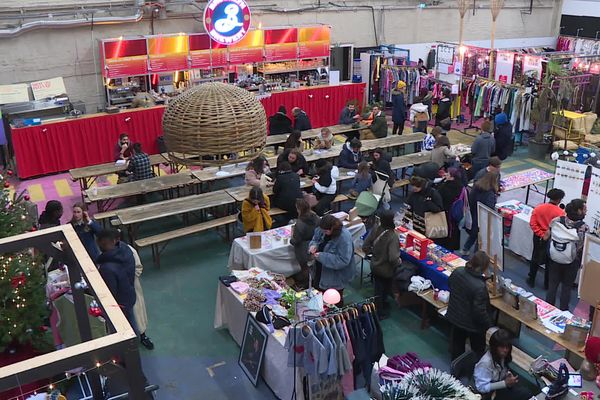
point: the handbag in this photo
(436, 225)
(311, 199)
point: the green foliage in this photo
(22, 296)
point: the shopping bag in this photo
(436, 225)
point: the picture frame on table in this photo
(253, 349)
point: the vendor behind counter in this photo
(142, 99)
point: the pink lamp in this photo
(331, 296)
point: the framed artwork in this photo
(253, 349)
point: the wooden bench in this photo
(155, 240)
(402, 183)
(102, 217)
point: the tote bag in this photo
(436, 225)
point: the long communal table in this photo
(133, 216)
(312, 134)
(105, 196)
(209, 175)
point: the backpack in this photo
(563, 241)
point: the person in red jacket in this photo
(540, 221)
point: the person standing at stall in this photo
(302, 234)
(286, 189)
(444, 106)
(469, 306)
(482, 148)
(540, 220)
(333, 250)
(382, 243)
(399, 108)
(566, 235)
(485, 191)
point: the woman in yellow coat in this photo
(255, 211)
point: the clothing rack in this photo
(329, 313)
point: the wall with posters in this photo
(73, 52)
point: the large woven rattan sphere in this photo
(212, 123)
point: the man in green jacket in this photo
(378, 128)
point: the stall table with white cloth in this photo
(276, 253)
(231, 314)
(520, 240)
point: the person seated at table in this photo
(302, 234)
(255, 171)
(296, 160)
(541, 217)
(348, 116)
(485, 191)
(301, 120)
(324, 185)
(442, 153)
(492, 377)
(378, 128)
(255, 211)
(139, 164)
(428, 170)
(469, 309)
(325, 140)
(294, 141)
(382, 244)
(494, 165)
(122, 151)
(332, 248)
(381, 163)
(362, 180)
(430, 138)
(86, 228)
(280, 123)
(286, 189)
(50, 217)
(424, 198)
(350, 156)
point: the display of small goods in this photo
(267, 293)
(525, 178)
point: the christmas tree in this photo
(22, 295)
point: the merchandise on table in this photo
(525, 178)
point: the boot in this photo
(146, 342)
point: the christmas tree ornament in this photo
(94, 310)
(10, 172)
(27, 197)
(6, 184)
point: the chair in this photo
(463, 366)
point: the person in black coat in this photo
(302, 234)
(428, 170)
(485, 191)
(296, 160)
(399, 108)
(286, 189)
(469, 306)
(424, 198)
(503, 132)
(280, 123)
(350, 156)
(444, 106)
(50, 217)
(348, 116)
(381, 163)
(301, 121)
(116, 265)
(450, 189)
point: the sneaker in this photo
(146, 342)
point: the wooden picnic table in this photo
(104, 196)
(133, 216)
(312, 134)
(88, 175)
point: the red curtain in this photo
(323, 105)
(74, 143)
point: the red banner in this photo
(281, 44)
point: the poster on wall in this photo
(592, 216)
(281, 44)
(569, 176)
(124, 57)
(532, 66)
(491, 234)
(48, 88)
(445, 54)
(168, 53)
(504, 66)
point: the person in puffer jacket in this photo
(325, 186)
(418, 108)
(350, 156)
(469, 306)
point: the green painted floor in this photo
(180, 298)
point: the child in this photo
(362, 180)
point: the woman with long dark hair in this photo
(333, 250)
(255, 211)
(492, 375)
(255, 170)
(294, 141)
